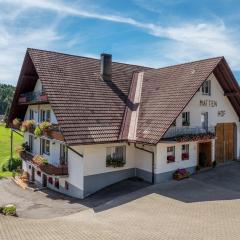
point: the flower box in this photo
(181, 174)
(170, 159)
(50, 180)
(185, 156)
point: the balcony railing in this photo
(46, 168)
(33, 97)
(175, 132)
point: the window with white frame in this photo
(206, 88)
(171, 154)
(43, 115)
(30, 143)
(186, 118)
(116, 156)
(31, 114)
(48, 115)
(45, 146)
(63, 154)
(185, 152)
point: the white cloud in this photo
(182, 42)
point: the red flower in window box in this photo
(56, 183)
(171, 158)
(50, 180)
(185, 156)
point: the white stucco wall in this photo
(75, 168)
(161, 157)
(95, 158)
(143, 160)
(223, 104)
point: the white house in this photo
(111, 121)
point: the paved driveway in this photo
(206, 206)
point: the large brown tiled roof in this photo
(90, 110)
(87, 108)
(165, 93)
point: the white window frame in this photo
(31, 114)
(42, 115)
(185, 118)
(30, 142)
(171, 152)
(112, 152)
(48, 115)
(45, 148)
(185, 149)
(206, 88)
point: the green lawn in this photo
(5, 135)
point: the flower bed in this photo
(181, 174)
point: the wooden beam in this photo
(229, 94)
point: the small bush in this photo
(9, 210)
(45, 125)
(1, 209)
(37, 132)
(12, 165)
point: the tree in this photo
(6, 95)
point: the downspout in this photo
(145, 150)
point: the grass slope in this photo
(5, 141)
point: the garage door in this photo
(225, 142)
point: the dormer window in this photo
(206, 88)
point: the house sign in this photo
(208, 103)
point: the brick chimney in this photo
(106, 66)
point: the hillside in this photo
(6, 95)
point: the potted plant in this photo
(16, 123)
(19, 150)
(40, 160)
(180, 174)
(45, 126)
(37, 132)
(170, 159)
(27, 125)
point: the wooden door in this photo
(225, 142)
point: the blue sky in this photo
(154, 33)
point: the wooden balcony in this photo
(49, 169)
(33, 98)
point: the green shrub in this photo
(9, 210)
(1, 209)
(12, 165)
(37, 132)
(45, 125)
